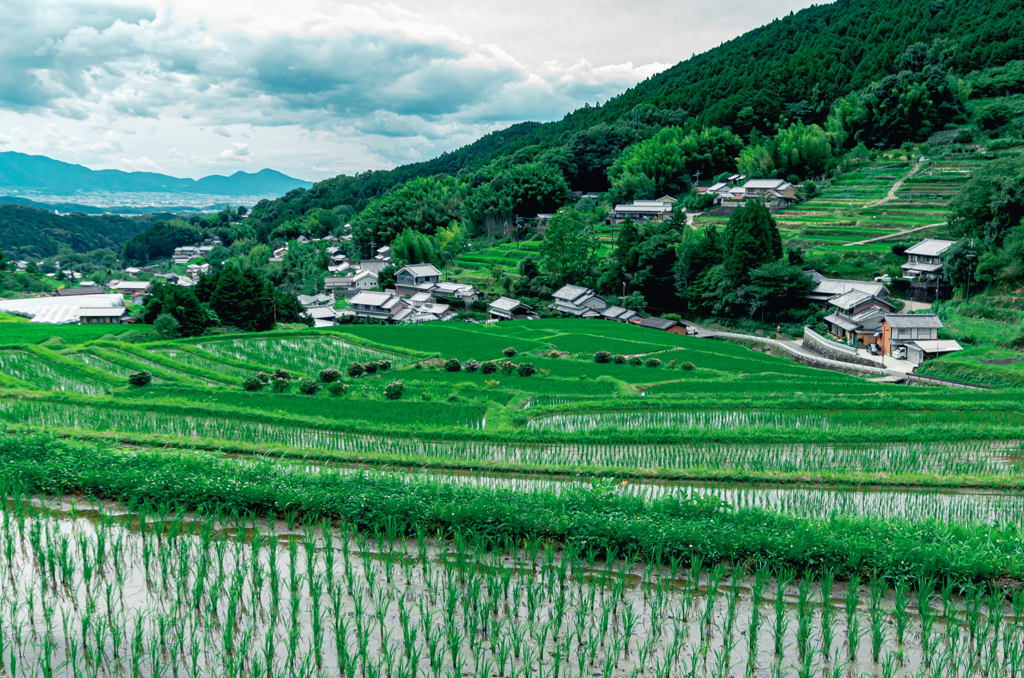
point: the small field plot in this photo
(406, 412)
(303, 355)
(205, 362)
(450, 340)
(41, 374)
(34, 333)
(712, 419)
(99, 363)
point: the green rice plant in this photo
(901, 615)
(853, 628)
(780, 620)
(877, 589)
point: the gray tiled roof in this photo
(908, 321)
(931, 247)
(421, 270)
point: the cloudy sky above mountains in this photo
(315, 88)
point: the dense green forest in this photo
(795, 70)
(27, 232)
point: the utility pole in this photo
(970, 255)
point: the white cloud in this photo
(315, 87)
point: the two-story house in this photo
(414, 278)
(770, 190)
(925, 258)
(376, 305)
(917, 334)
(856, 317)
(578, 301)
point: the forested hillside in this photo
(793, 70)
(30, 232)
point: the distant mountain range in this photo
(36, 174)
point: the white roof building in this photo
(58, 310)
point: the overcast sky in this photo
(317, 88)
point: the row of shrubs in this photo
(606, 357)
(490, 366)
(356, 370)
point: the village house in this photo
(770, 189)
(914, 337)
(924, 266)
(323, 316)
(856, 318)
(828, 288)
(376, 305)
(644, 210)
(619, 314)
(925, 258)
(79, 291)
(506, 308)
(578, 301)
(309, 300)
(365, 280)
(132, 288)
(89, 315)
(424, 313)
(415, 278)
(374, 265)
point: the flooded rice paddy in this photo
(98, 590)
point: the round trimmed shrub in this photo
(635, 360)
(509, 352)
(280, 374)
(253, 383)
(383, 365)
(140, 378)
(394, 390)
(619, 359)
(308, 387)
(263, 377)
(355, 370)
(370, 367)
(653, 362)
(687, 365)
(508, 367)
(281, 385)
(489, 367)
(330, 375)
(471, 366)
(602, 357)
(452, 365)
(526, 369)
(337, 388)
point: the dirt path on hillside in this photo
(893, 235)
(896, 186)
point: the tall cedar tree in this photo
(181, 302)
(243, 298)
(750, 240)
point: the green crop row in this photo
(681, 527)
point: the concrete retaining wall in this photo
(834, 350)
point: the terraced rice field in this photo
(303, 355)
(46, 376)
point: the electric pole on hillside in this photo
(970, 256)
